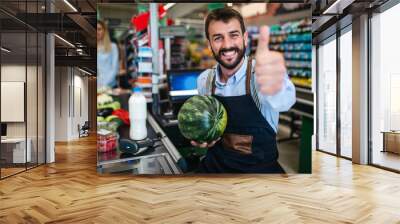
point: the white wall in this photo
(12, 73)
(71, 94)
(80, 98)
(61, 103)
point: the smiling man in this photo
(253, 92)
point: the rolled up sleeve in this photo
(282, 100)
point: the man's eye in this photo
(234, 35)
(217, 38)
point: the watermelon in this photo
(202, 119)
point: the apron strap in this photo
(254, 89)
(248, 75)
(210, 80)
(213, 82)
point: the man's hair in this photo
(224, 14)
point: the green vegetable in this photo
(111, 117)
(104, 99)
(115, 105)
(202, 119)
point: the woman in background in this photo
(107, 58)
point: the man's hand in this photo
(270, 66)
(204, 144)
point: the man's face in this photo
(227, 42)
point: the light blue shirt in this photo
(236, 86)
(107, 67)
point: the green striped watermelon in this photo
(202, 119)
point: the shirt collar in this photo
(239, 74)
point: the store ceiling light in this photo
(338, 6)
(5, 50)
(169, 5)
(70, 5)
(84, 71)
(64, 40)
(230, 4)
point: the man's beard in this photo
(240, 53)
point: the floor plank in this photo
(70, 191)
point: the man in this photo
(252, 91)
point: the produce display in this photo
(109, 111)
(106, 101)
(106, 140)
(110, 116)
(202, 119)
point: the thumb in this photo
(263, 40)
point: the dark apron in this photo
(249, 142)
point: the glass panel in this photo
(13, 87)
(327, 97)
(385, 86)
(346, 94)
(22, 77)
(32, 85)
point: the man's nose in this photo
(228, 43)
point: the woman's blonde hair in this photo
(106, 38)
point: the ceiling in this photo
(119, 13)
(330, 16)
(76, 24)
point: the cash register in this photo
(182, 85)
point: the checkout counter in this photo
(171, 152)
(161, 158)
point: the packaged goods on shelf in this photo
(293, 39)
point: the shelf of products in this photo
(139, 59)
(178, 50)
(130, 41)
(139, 62)
(293, 39)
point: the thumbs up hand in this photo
(270, 66)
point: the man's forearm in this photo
(282, 100)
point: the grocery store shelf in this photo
(301, 113)
(304, 83)
(303, 101)
(149, 85)
(285, 117)
(303, 90)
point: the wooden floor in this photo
(387, 159)
(10, 171)
(70, 191)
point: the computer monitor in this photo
(182, 83)
(3, 129)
